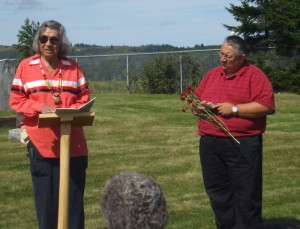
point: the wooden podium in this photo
(65, 121)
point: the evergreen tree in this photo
(25, 38)
(267, 23)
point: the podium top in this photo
(75, 119)
(84, 108)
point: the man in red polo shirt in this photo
(242, 96)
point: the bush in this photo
(163, 74)
(283, 78)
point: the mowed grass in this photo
(149, 134)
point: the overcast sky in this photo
(181, 23)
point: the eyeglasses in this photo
(227, 57)
(53, 40)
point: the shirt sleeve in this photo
(19, 101)
(262, 90)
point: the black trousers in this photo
(232, 175)
(45, 180)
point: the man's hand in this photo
(198, 109)
(224, 109)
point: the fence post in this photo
(127, 74)
(181, 77)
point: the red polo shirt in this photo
(249, 84)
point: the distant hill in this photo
(9, 52)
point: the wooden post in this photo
(64, 176)
(66, 121)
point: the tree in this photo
(25, 38)
(286, 25)
(267, 23)
(162, 75)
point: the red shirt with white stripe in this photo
(29, 92)
(247, 85)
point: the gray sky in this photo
(181, 23)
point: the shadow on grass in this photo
(289, 220)
(8, 122)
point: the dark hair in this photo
(237, 43)
(64, 41)
(133, 201)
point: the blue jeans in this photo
(45, 180)
(232, 176)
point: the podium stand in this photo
(65, 121)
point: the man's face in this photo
(49, 43)
(230, 60)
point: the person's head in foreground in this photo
(132, 200)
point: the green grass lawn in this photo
(150, 134)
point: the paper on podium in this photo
(84, 108)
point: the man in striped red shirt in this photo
(44, 82)
(241, 95)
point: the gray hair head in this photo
(237, 43)
(133, 201)
(64, 41)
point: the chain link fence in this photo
(127, 70)
(124, 73)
